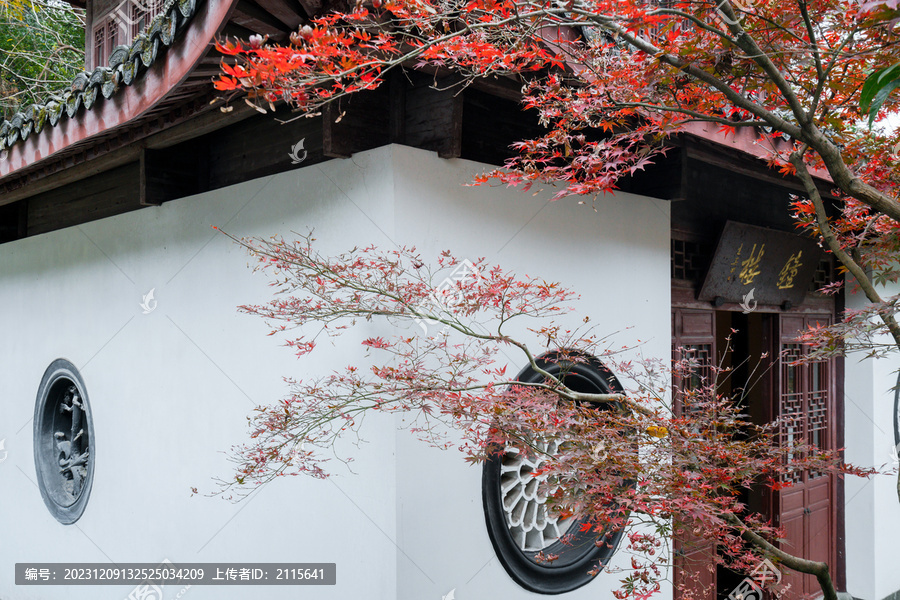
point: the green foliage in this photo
(41, 50)
(877, 88)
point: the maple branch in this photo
(811, 567)
(845, 258)
(746, 42)
(831, 64)
(698, 116)
(737, 99)
(820, 73)
(809, 133)
(689, 17)
(834, 245)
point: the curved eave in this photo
(745, 140)
(128, 103)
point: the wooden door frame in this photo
(681, 301)
(834, 431)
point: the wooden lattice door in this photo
(694, 332)
(805, 404)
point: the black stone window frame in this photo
(64, 446)
(582, 552)
(897, 414)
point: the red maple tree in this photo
(611, 81)
(622, 460)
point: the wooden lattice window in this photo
(804, 403)
(142, 13)
(792, 400)
(825, 274)
(121, 25)
(99, 45)
(106, 38)
(690, 259)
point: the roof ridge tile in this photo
(126, 63)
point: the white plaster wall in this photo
(170, 390)
(872, 507)
(616, 258)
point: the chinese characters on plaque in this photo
(777, 266)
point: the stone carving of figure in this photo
(73, 452)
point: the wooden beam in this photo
(665, 178)
(249, 15)
(359, 122)
(492, 123)
(207, 122)
(261, 146)
(433, 118)
(73, 174)
(746, 165)
(12, 221)
(166, 175)
(311, 7)
(107, 194)
(289, 12)
(397, 92)
(502, 87)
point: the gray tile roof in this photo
(126, 65)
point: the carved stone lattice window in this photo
(520, 526)
(63, 442)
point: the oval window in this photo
(63, 441)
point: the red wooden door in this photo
(694, 332)
(805, 403)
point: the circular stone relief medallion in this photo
(63, 441)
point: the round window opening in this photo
(518, 522)
(897, 415)
(63, 441)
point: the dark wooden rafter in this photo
(251, 16)
(237, 31)
(167, 175)
(311, 7)
(290, 12)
